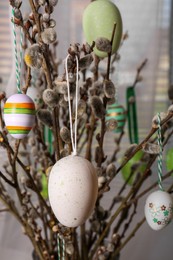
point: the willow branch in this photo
(139, 69)
(132, 234)
(7, 180)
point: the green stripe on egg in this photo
(19, 111)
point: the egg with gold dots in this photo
(117, 112)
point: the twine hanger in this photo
(73, 138)
(160, 157)
(18, 61)
(59, 239)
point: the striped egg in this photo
(19, 115)
(117, 112)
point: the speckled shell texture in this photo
(98, 21)
(73, 189)
(19, 115)
(159, 209)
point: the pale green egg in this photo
(98, 21)
(127, 169)
(44, 183)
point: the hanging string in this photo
(73, 139)
(58, 245)
(63, 249)
(18, 69)
(117, 81)
(59, 239)
(20, 54)
(160, 159)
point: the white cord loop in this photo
(73, 139)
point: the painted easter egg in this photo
(117, 112)
(72, 189)
(159, 209)
(98, 21)
(44, 183)
(169, 159)
(19, 115)
(127, 169)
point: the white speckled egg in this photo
(19, 115)
(159, 209)
(72, 189)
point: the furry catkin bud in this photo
(69, 248)
(46, 17)
(170, 109)
(15, 3)
(87, 48)
(109, 88)
(110, 247)
(81, 108)
(111, 124)
(111, 101)
(52, 23)
(74, 49)
(17, 14)
(41, 2)
(96, 89)
(86, 61)
(45, 25)
(60, 86)
(101, 181)
(48, 35)
(103, 44)
(151, 148)
(53, 2)
(65, 135)
(155, 119)
(62, 102)
(64, 153)
(97, 107)
(2, 95)
(111, 170)
(45, 117)
(130, 149)
(33, 56)
(50, 97)
(55, 228)
(71, 77)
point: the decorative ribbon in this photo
(18, 62)
(73, 139)
(48, 137)
(132, 115)
(59, 239)
(160, 159)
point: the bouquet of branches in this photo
(84, 96)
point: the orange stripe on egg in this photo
(19, 105)
(18, 128)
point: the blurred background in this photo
(149, 25)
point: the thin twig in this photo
(7, 180)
